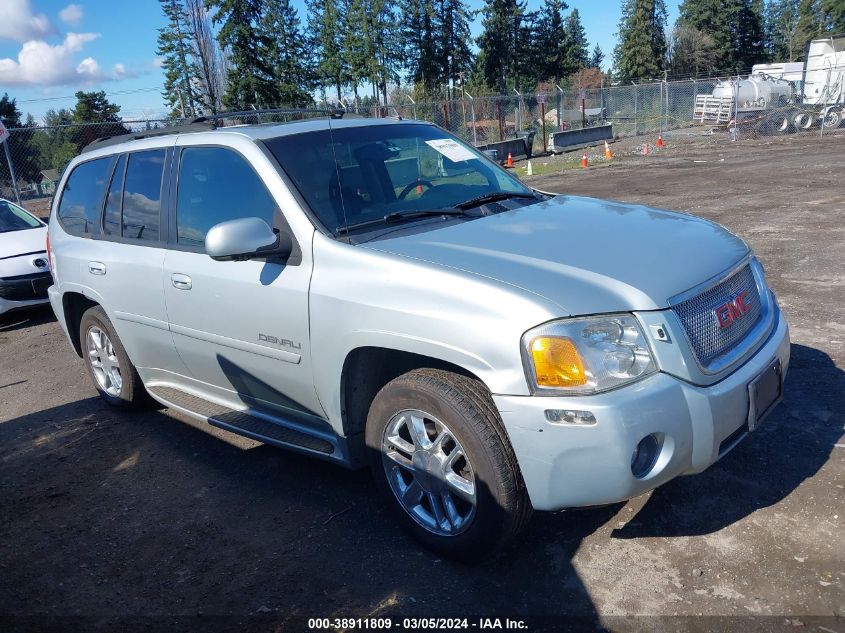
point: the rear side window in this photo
(82, 197)
(215, 185)
(142, 195)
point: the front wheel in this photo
(442, 458)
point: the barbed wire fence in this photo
(636, 111)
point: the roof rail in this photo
(205, 123)
(105, 141)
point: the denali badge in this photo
(731, 310)
(281, 342)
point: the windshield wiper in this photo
(401, 216)
(494, 196)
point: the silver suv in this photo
(378, 292)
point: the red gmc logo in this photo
(731, 310)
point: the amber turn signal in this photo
(557, 362)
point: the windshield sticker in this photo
(451, 150)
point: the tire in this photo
(804, 121)
(467, 444)
(834, 118)
(101, 346)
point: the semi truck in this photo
(782, 98)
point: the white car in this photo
(24, 264)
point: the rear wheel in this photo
(113, 374)
(441, 456)
(833, 118)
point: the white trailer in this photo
(780, 98)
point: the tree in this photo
(24, 152)
(94, 108)
(56, 142)
(784, 41)
(597, 57)
(173, 47)
(207, 66)
(551, 43)
(691, 52)
(579, 54)
(249, 81)
(285, 52)
(748, 35)
(454, 53)
(641, 50)
(833, 14)
(714, 18)
(810, 20)
(326, 21)
(420, 35)
(498, 52)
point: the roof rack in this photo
(205, 123)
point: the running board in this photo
(247, 424)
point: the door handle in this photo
(180, 281)
(97, 268)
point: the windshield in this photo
(358, 176)
(13, 218)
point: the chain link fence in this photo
(707, 107)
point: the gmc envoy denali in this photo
(376, 292)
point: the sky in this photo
(49, 49)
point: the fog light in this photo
(645, 455)
(570, 416)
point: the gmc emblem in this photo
(731, 310)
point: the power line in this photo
(108, 94)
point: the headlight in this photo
(586, 355)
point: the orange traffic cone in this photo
(509, 161)
(607, 153)
(660, 140)
(584, 161)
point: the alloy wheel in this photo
(429, 472)
(104, 362)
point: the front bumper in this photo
(573, 465)
(23, 291)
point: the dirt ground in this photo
(109, 515)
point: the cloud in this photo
(71, 14)
(19, 23)
(157, 62)
(43, 64)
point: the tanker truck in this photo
(773, 101)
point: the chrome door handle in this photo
(97, 268)
(181, 282)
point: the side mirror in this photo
(246, 238)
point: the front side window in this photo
(216, 185)
(358, 176)
(142, 195)
(82, 197)
(13, 218)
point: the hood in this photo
(15, 243)
(585, 255)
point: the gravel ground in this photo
(109, 515)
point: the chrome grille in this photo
(698, 316)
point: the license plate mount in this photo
(764, 393)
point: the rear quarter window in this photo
(82, 196)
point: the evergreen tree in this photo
(713, 17)
(173, 48)
(498, 53)
(783, 40)
(833, 13)
(597, 57)
(551, 44)
(454, 54)
(420, 36)
(810, 21)
(641, 51)
(249, 82)
(579, 54)
(356, 42)
(749, 38)
(326, 21)
(25, 155)
(285, 52)
(207, 65)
